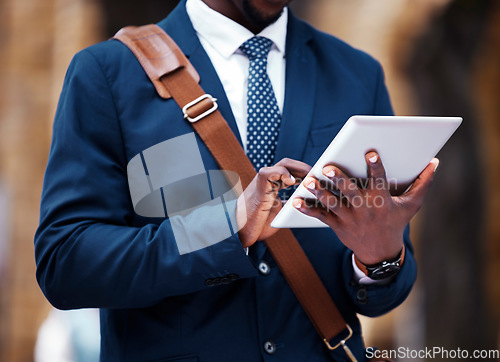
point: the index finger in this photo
(296, 168)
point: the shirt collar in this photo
(228, 35)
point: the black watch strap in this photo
(384, 269)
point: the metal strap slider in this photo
(199, 108)
(343, 344)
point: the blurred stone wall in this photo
(37, 41)
(487, 84)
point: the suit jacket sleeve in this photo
(88, 253)
(374, 300)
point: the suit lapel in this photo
(299, 92)
(299, 86)
(179, 27)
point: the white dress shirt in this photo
(222, 43)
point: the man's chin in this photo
(263, 12)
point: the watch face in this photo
(384, 271)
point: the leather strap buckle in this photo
(343, 344)
(199, 108)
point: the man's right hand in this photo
(259, 203)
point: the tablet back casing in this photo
(405, 144)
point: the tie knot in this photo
(256, 47)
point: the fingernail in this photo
(435, 162)
(311, 185)
(297, 203)
(373, 159)
(330, 172)
(292, 178)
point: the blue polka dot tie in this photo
(263, 114)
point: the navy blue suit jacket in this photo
(93, 250)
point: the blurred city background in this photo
(441, 57)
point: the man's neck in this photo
(236, 13)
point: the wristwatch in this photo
(384, 269)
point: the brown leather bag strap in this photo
(165, 63)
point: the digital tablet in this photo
(405, 144)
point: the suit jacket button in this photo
(269, 347)
(264, 268)
(362, 295)
(232, 277)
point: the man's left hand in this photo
(369, 221)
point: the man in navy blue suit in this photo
(181, 285)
